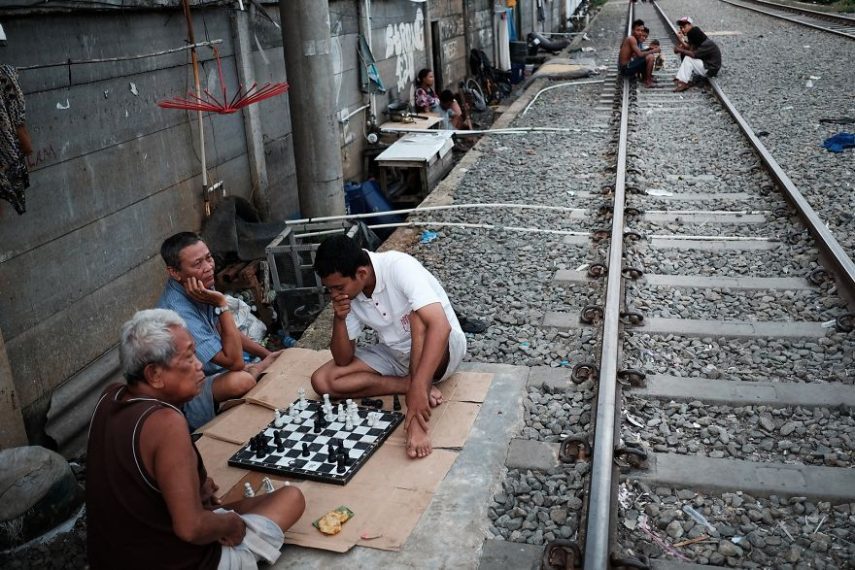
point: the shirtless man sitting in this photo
(634, 60)
(149, 500)
(420, 340)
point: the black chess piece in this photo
(396, 403)
(260, 450)
(305, 450)
(342, 464)
(277, 441)
(331, 452)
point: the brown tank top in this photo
(128, 523)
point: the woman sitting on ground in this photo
(426, 99)
(702, 56)
(453, 110)
(149, 501)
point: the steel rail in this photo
(844, 268)
(849, 21)
(599, 513)
(842, 18)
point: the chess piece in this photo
(260, 449)
(340, 416)
(267, 485)
(277, 419)
(277, 441)
(396, 403)
(348, 423)
(305, 450)
(327, 403)
(331, 452)
(342, 464)
(247, 490)
(293, 411)
(302, 403)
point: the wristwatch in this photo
(220, 310)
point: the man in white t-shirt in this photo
(420, 340)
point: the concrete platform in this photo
(760, 479)
(452, 531)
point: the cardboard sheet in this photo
(388, 495)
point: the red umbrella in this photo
(206, 101)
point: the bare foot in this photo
(418, 441)
(435, 397)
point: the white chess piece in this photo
(247, 490)
(267, 485)
(348, 424)
(278, 420)
(340, 413)
(302, 404)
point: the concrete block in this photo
(760, 479)
(736, 393)
(563, 321)
(531, 454)
(555, 379)
(704, 218)
(504, 555)
(690, 327)
(713, 245)
(735, 283)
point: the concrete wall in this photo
(453, 52)
(112, 176)
(478, 23)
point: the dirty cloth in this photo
(689, 68)
(14, 177)
(839, 142)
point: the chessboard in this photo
(301, 453)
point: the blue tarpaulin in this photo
(839, 142)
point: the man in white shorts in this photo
(420, 339)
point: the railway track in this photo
(724, 416)
(828, 22)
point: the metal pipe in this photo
(507, 131)
(452, 225)
(120, 58)
(598, 527)
(793, 20)
(545, 89)
(304, 221)
(352, 113)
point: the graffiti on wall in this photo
(403, 40)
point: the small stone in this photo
(728, 549)
(674, 529)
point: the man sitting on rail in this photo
(421, 341)
(633, 60)
(149, 500)
(701, 56)
(220, 345)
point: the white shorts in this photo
(390, 362)
(263, 541)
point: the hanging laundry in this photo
(14, 141)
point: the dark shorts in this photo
(635, 65)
